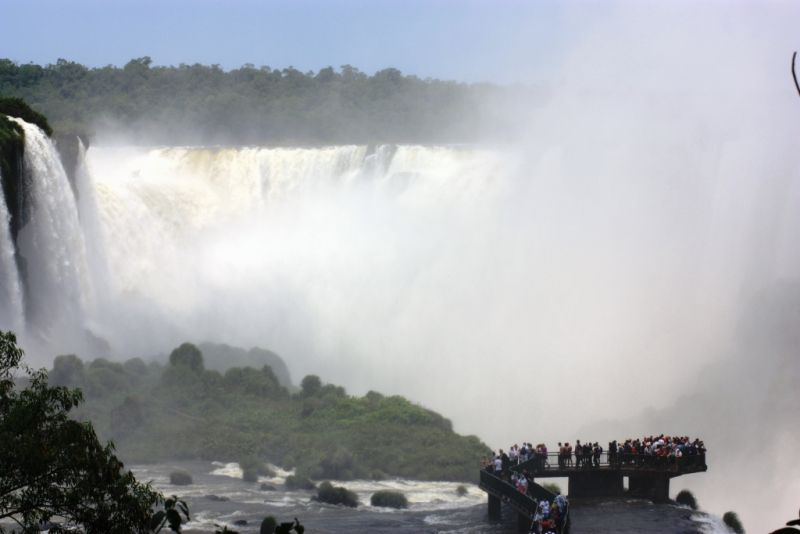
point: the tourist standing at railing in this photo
(568, 454)
(498, 464)
(560, 455)
(578, 453)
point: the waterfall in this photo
(11, 310)
(156, 205)
(52, 244)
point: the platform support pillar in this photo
(494, 507)
(523, 523)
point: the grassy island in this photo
(182, 410)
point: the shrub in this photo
(268, 525)
(731, 520)
(288, 462)
(338, 466)
(178, 377)
(127, 416)
(103, 380)
(389, 499)
(17, 107)
(310, 385)
(67, 371)
(328, 493)
(295, 482)
(461, 490)
(180, 478)
(135, 366)
(686, 498)
(552, 487)
(188, 355)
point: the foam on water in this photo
(711, 524)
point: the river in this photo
(434, 507)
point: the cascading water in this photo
(52, 245)
(155, 206)
(11, 311)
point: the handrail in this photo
(687, 463)
(524, 503)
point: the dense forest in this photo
(199, 104)
(181, 409)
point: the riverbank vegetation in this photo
(389, 499)
(330, 494)
(53, 467)
(182, 410)
(201, 104)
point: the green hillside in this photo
(182, 410)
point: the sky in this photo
(502, 42)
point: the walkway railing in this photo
(613, 460)
(522, 502)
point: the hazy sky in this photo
(468, 41)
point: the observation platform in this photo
(648, 477)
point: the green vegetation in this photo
(200, 104)
(180, 478)
(461, 490)
(221, 357)
(732, 521)
(188, 355)
(54, 466)
(552, 487)
(268, 525)
(686, 498)
(389, 499)
(17, 107)
(186, 411)
(330, 494)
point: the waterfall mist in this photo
(612, 271)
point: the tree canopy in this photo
(54, 466)
(244, 414)
(201, 104)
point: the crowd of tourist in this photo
(661, 451)
(651, 451)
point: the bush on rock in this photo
(389, 499)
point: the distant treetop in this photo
(201, 104)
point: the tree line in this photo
(200, 104)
